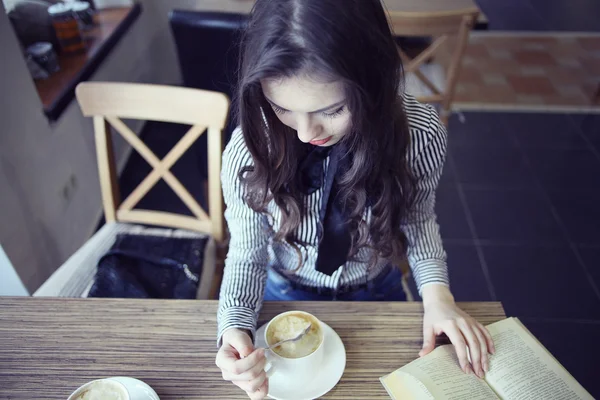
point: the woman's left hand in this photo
(442, 315)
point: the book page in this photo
(440, 373)
(402, 386)
(523, 369)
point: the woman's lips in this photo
(320, 142)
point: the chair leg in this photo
(445, 117)
(219, 268)
(406, 276)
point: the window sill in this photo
(58, 90)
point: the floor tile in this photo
(534, 281)
(448, 176)
(591, 259)
(479, 129)
(450, 213)
(573, 345)
(579, 211)
(589, 126)
(492, 167)
(545, 130)
(467, 280)
(573, 168)
(513, 216)
(540, 71)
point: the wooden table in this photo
(49, 347)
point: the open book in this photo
(521, 369)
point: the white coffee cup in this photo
(303, 368)
(134, 389)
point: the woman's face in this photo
(316, 109)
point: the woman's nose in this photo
(308, 129)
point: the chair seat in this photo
(76, 276)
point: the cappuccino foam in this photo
(103, 390)
(287, 327)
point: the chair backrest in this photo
(207, 111)
(442, 26)
(207, 46)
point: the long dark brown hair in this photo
(346, 40)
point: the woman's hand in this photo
(241, 364)
(443, 315)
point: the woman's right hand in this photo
(241, 364)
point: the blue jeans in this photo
(385, 287)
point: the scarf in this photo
(334, 228)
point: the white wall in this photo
(39, 229)
(10, 284)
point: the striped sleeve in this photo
(245, 275)
(426, 254)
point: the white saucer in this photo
(331, 370)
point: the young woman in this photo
(330, 180)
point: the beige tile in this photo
(532, 71)
(531, 85)
(500, 54)
(522, 71)
(569, 62)
(529, 99)
(534, 58)
(494, 79)
(570, 90)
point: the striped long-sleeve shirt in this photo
(252, 249)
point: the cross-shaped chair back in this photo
(207, 111)
(442, 26)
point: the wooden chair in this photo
(442, 27)
(107, 103)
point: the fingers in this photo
(474, 346)
(237, 367)
(226, 357)
(488, 338)
(240, 341)
(246, 364)
(428, 341)
(483, 348)
(252, 373)
(252, 385)
(260, 393)
(241, 364)
(456, 337)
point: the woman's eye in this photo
(278, 110)
(336, 113)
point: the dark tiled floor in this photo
(534, 220)
(571, 344)
(512, 216)
(495, 167)
(542, 15)
(565, 168)
(451, 214)
(464, 267)
(591, 260)
(579, 209)
(541, 281)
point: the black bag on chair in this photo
(147, 266)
